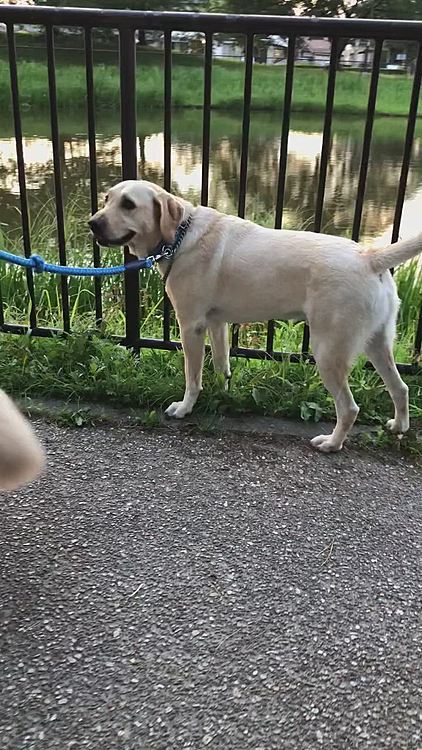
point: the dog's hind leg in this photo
(380, 352)
(193, 339)
(219, 337)
(334, 362)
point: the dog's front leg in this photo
(220, 347)
(193, 347)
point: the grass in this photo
(187, 127)
(95, 369)
(187, 86)
(81, 290)
(85, 369)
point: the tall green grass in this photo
(48, 300)
(82, 296)
(227, 87)
(94, 369)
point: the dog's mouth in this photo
(107, 242)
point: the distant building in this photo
(359, 53)
(314, 51)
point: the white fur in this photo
(229, 270)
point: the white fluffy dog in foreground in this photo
(228, 270)
(21, 455)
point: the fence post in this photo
(93, 181)
(127, 48)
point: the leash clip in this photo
(167, 251)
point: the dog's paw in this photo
(227, 381)
(326, 444)
(178, 410)
(397, 426)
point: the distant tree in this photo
(120, 4)
(163, 5)
(405, 9)
(397, 9)
(258, 7)
(253, 7)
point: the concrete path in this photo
(163, 590)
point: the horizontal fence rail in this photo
(127, 23)
(215, 22)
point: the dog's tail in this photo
(21, 454)
(381, 259)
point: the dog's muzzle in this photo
(97, 227)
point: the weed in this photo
(67, 417)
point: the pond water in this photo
(302, 173)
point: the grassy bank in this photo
(227, 87)
(94, 370)
(187, 126)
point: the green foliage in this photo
(96, 370)
(164, 5)
(258, 7)
(408, 9)
(404, 9)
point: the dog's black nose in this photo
(94, 225)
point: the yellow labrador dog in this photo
(21, 455)
(231, 270)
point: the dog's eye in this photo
(106, 199)
(127, 204)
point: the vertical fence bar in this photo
(26, 234)
(93, 165)
(418, 338)
(206, 123)
(410, 132)
(282, 166)
(167, 110)
(58, 188)
(407, 152)
(367, 140)
(247, 94)
(167, 155)
(326, 137)
(325, 154)
(127, 55)
(245, 125)
(284, 138)
(1, 309)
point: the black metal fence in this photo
(128, 23)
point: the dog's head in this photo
(137, 213)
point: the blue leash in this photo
(37, 264)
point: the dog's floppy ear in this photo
(170, 214)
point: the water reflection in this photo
(186, 158)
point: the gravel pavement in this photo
(164, 590)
